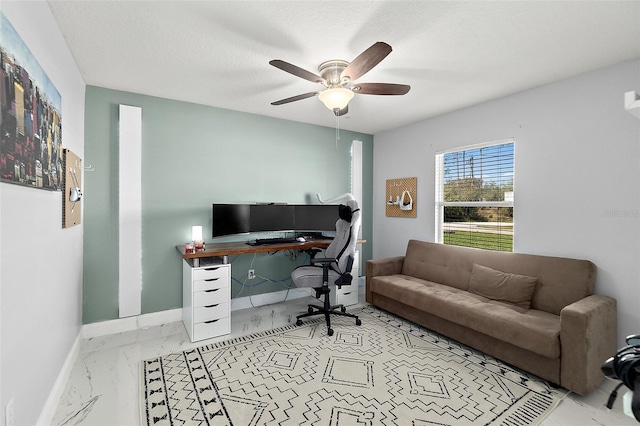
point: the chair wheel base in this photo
(327, 310)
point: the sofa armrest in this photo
(386, 266)
(587, 340)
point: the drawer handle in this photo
(212, 290)
(211, 269)
(212, 279)
(212, 321)
(212, 306)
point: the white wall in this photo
(41, 263)
(576, 176)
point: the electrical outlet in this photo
(251, 274)
(9, 419)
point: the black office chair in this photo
(334, 268)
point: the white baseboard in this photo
(268, 298)
(279, 296)
(122, 325)
(51, 404)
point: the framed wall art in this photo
(401, 197)
(30, 118)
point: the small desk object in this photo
(206, 283)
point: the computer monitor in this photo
(271, 217)
(316, 217)
(229, 219)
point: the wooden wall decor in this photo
(71, 189)
(401, 197)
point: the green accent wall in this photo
(193, 156)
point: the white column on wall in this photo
(130, 211)
(356, 172)
(356, 184)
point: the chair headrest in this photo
(346, 211)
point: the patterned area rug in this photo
(387, 371)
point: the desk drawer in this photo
(210, 284)
(214, 328)
(210, 272)
(211, 297)
(347, 295)
(210, 312)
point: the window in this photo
(474, 196)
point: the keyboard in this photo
(263, 241)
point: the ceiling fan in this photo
(338, 76)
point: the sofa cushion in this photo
(502, 286)
(436, 263)
(530, 329)
(561, 281)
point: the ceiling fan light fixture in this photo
(336, 74)
(336, 98)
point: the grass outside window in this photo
(484, 240)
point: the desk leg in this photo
(196, 262)
(225, 259)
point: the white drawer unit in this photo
(206, 299)
(348, 294)
(210, 297)
(212, 328)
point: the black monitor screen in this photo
(271, 217)
(316, 217)
(230, 219)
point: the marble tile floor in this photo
(103, 388)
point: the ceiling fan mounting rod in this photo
(331, 72)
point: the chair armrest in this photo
(587, 339)
(344, 279)
(386, 266)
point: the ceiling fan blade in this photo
(366, 60)
(295, 98)
(381, 89)
(341, 112)
(297, 71)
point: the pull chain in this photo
(337, 129)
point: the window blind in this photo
(474, 196)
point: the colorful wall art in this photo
(30, 118)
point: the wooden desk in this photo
(206, 287)
(240, 247)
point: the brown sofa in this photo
(537, 313)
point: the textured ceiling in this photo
(453, 54)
